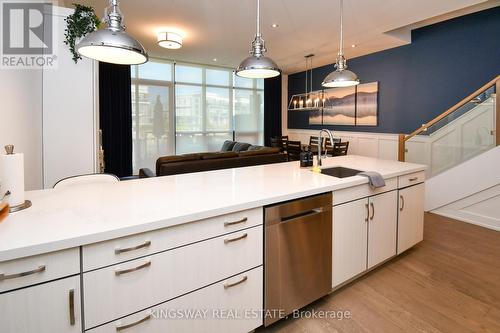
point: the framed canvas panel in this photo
(316, 117)
(340, 106)
(367, 104)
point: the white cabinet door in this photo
(411, 217)
(69, 116)
(382, 227)
(46, 308)
(349, 240)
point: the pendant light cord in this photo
(307, 73)
(258, 18)
(341, 48)
(311, 76)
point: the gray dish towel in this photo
(375, 179)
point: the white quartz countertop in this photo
(85, 214)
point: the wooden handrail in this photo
(453, 108)
(403, 138)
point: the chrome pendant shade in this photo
(113, 44)
(258, 66)
(341, 77)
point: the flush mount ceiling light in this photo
(257, 66)
(113, 44)
(341, 77)
(169, 40)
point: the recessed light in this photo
(169, 40)
(274, 25)
(214, 59)
(353, 45)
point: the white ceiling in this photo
(224, 29)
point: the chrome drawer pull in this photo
(402, 203)
(133, 248)
(243, 220)
(124, 327)
(413, 179)
(373, 210)
(230, 240)
(130, 270)
(40, 269)
(229, 285)
(72, 307)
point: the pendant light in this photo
(341, 77)
(113, 44)
(257, 66)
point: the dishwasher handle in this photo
(312, 212)
(296, 209)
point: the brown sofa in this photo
(232, 155)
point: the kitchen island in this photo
(126, 251)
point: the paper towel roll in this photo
(12, 176)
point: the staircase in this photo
(461, 148)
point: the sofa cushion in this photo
(263, 151)
(216, 155)
(227, 145)
(240, 146)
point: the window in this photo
(199, 111)
(152, 114)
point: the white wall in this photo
(379, 145)
(482, 208)
(21, 119)
(466, 179)
(50, 116)
(69, 117)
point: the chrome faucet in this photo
(320, 142)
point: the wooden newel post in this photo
(401, 147)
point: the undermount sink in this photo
(340, 172)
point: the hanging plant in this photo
(83, 21)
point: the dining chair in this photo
(340, 148)
(280, 142)
(313, 144)
(96, 178)
(294, 149)
(284, 142)
(328, 144)
(276, 142)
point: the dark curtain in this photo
(272, 108)
(115, 116)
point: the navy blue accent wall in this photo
(444, 63)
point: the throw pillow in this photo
(240, 146)
(227, 145)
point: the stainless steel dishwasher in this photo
(298, 254)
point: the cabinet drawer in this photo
(243, 299)
(411, 179)
(362, 191)
(119, 290)
(53, 307)
(27, 271)
(123, 249)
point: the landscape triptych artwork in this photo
(355, 106)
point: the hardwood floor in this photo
(450, 282)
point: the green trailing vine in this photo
(81, 22)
